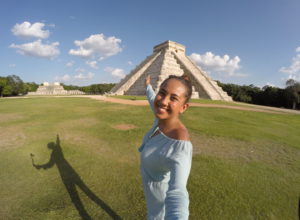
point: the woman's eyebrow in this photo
(174, 94)
(165, 91)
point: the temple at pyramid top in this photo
(169, 58)
(170, 45)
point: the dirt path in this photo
(247, 107)
(242, 106)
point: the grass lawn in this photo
(246, 165)
(129, 97)
(204, 101)
(201, 101)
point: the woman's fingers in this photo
(147, 80)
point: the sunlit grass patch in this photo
(245, 165)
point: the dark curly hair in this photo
(185, 81)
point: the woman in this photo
(166, 151)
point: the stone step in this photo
(195, 95)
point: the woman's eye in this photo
(173, 98)
(161, 93)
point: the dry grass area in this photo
(11, 137)
(272, 153)
(124, 126)
(88, 142)
(10, 117)
(253, 108)
(81, 122)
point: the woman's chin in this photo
(161, 116)
(161, 113)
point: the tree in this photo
(7, 91)
(3, 83)
(30, 87)
(272, 96)
(293, 92)
(17, 85)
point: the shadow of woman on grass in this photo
(71, 179)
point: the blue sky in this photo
(81, 42)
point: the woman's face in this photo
(170, 100)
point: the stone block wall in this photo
(167, 59)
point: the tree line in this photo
(92, 89)
(289, 97)
(13, 86)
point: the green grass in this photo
(205, 101)
(201, 101)
(129, 97)
(245, 165)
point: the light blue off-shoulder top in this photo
(165, 168)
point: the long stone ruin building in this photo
(54, 89)
(169, 58)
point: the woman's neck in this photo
(168, 124)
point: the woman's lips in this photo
(162, 110)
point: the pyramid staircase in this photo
(167, 59)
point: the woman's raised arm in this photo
(149, 92)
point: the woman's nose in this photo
(164, 101)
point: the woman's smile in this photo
(162, 109)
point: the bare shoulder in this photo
(181, 133)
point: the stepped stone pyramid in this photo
(169, 58)
(54, 89)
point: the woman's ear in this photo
(184, 108)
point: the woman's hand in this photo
(147, 80)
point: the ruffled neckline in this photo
(167, 137)
(160, 132)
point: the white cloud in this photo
(38, 49)
(293, 70)
(79, 78)
(294, 77)
(12, 65)
(27, 30)
(89, 75)
(115, 72)
(92, 64)
(215, 63)
(64, 78)
(130, 63)
(270, 84)
(70, 64)
(80, 70)
(97, 47)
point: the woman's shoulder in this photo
(179, 148)
(179, 133)
(178, 139)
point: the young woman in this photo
(166, 151)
